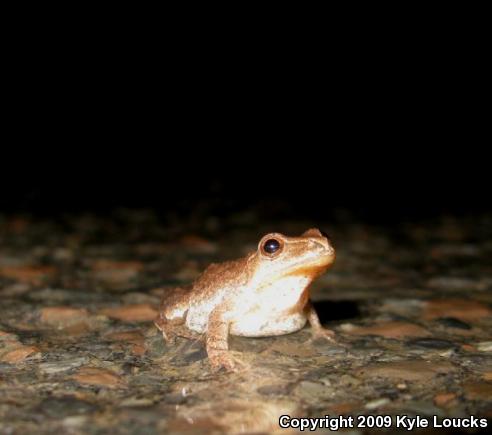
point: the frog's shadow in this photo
(331, 311)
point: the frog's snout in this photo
(323, 245)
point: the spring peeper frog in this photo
(264, 294)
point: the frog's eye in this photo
(326, 236)
(271, 246)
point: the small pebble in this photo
(274, 389)
(431, 343)
(451, 322)
(62, 366)
(485, 346)
(378, 403)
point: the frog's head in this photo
(308, 255)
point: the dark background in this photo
(386, 149)
(304, 178)
(388, 128)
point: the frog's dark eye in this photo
(271, 246)
(325, 235)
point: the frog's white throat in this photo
(282, 294)
(277, 308)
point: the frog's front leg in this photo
(217, 341)
(317, 329)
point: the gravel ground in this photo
(411, 306)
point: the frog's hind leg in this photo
(172, 316)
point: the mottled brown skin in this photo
(264, 294)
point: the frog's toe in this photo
(169, 338)
(167, 333)
(224, 359)
(326, 334)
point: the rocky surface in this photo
(411, 305)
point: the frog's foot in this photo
(326, 334)
(183, 331)
(168, 330)
(224, 359)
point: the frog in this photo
(263, 294)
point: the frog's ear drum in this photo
(312, 232)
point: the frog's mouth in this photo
(312, 268)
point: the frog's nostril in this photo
(324, 244)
